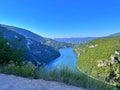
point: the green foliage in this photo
(71, 77)
(9, 54)
(25, 70)
(93, 52)
(12, 62)
(114, 76)
(65, 75)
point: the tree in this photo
(8, 54)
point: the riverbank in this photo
(65, 75)
(68, 58)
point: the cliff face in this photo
(35, 51)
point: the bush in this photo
(64, 75)
(25, 70)
(9, 54)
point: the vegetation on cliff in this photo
(100, 59)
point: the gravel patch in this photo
(11, 82)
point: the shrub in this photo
(9, 54)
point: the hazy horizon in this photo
(64, 18)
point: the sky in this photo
(63, 18)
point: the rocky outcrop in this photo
(92, 46)
(112, 60)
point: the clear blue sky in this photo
(63, 18)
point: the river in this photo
(68, 58)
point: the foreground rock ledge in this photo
(11, 82)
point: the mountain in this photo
(43, 40)
(38, 50)
(75, 40)
(116, 34)
(100, 59)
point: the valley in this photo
(60, 45)
(38, 50)
(67, 59)
(94, 60)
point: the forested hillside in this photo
(35, 52)
(100, 59)
(9, 54)
(43, 40)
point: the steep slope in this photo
(76, 40)
(34, 51)
(38, 38)
(100, 59)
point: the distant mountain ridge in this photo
(115, 34)
(75, 40)
(38, 38)
(39, 50)
(79, 40)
